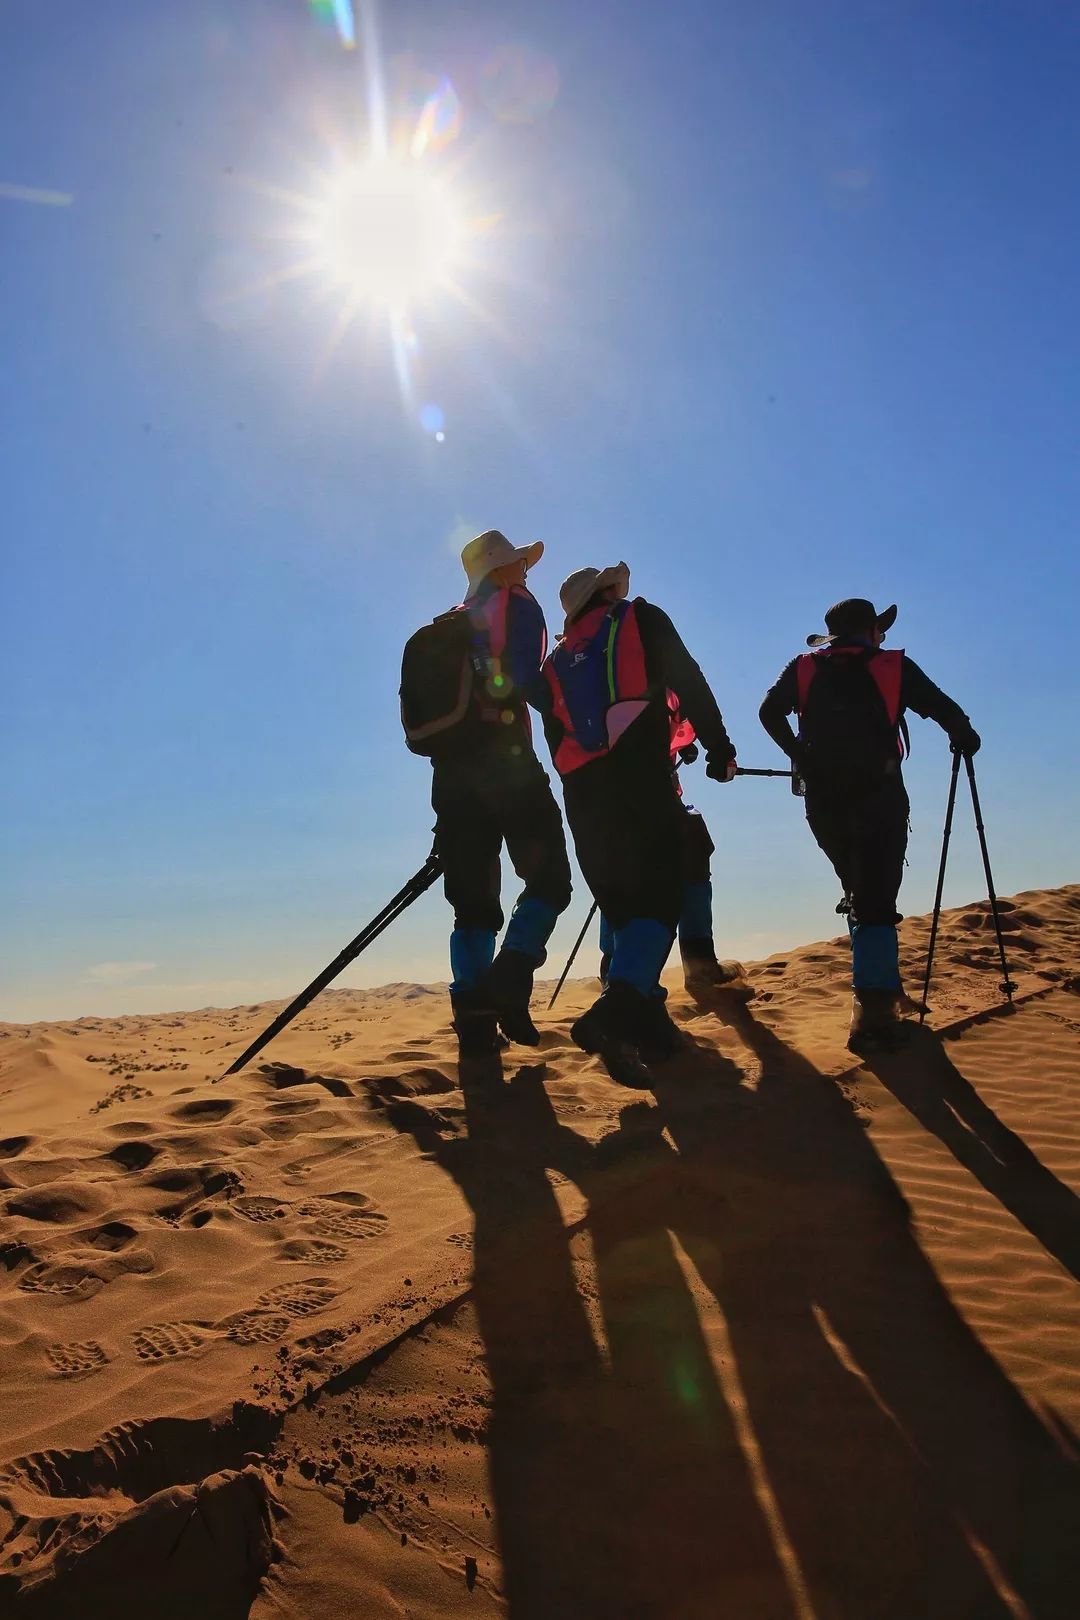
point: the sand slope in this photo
(353, 1333)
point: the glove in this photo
(965, 742)
(689, 753)
(721, 770)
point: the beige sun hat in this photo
(579, 588)
(492, 550)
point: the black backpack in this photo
(438, 674)
(845, 725)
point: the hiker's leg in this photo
(877, 869)
(695, 917)
(530, 822)
(467, 841)
(879, 847)
(702, 972)
(628, 842)
(532, 826)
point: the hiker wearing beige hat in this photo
(465, 683)
(608, 725)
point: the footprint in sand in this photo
(298, 1299)
(76, 1360)
(346, 1215)
(207, 1109)
(461, 1240)
(64, 1282)
(255, 1327)
(133, 1155)
(313, 1250)
(166, 1341)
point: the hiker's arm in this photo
(669, 663)
(525, 639)
(780, 700)
(918, 692)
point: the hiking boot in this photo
(659, 1036)
(505, 991)
(611, 1027)
(476, 1027)
(875, 1022)
(703, 974)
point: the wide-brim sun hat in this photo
(848, 617)
(492, 550)
(578, 589)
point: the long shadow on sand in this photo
(842, 1447)
(597, 1460)
(910, 1476)
(923, 1078)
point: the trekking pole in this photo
(573, 953)
(741, 770)
(1007, 986)
(416, 886)
(940, 883)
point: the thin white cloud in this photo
(35, 194)
(117, 972)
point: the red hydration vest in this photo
(598, 681)
(886, 668)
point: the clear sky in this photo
(777, 301)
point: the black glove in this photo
(689, 753)
(718, 765)
(965, 742)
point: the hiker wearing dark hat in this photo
(850, 697)
(467, 709)
(608, 726)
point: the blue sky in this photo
(780, 306)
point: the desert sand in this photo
(352, 1334)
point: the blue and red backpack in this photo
(598, 681)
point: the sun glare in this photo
(387, 232)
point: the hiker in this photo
(608, 727)
(850, 698)
(489, 788)
(702, 971)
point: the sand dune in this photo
(353, 1333)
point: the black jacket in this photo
(917, 692)
(646, 744)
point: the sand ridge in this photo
(357, 1332)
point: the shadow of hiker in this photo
(619, 1486)
(924, 1079)
(910, 1477)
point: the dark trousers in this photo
(628, 836)
(481, 805)
(864, 834)
(697, 845)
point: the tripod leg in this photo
(940, 883)
(1007, 986)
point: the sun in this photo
(388, 232)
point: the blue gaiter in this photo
(530, 928)
(472, 951)
(641, 949)
(875, 957)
